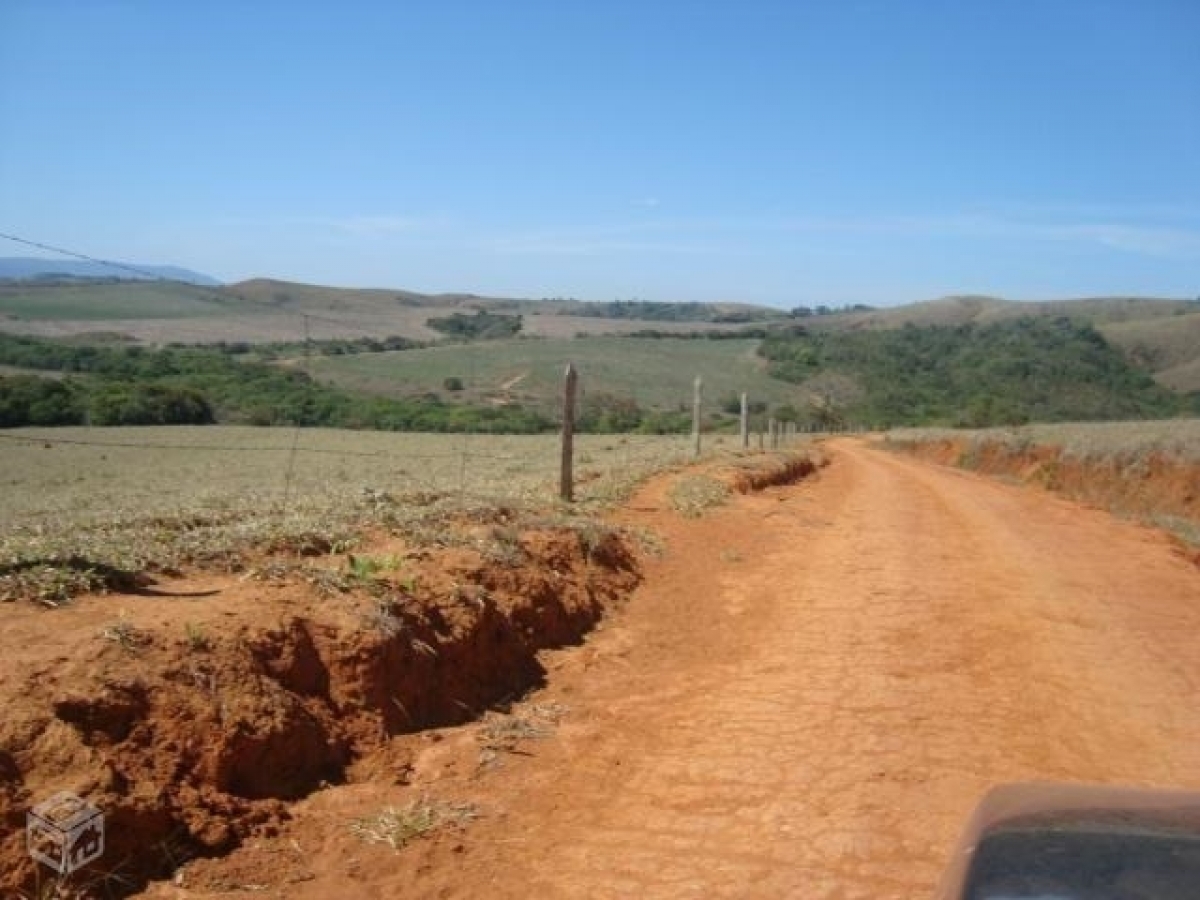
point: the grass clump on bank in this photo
(693, 495)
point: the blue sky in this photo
(784, 153)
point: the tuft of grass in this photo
(398, 826)
(197, 638)
(130, 638)
(369, 569)
(503, 733)
(693, 495)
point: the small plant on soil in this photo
(693, 495)
(197, 638)
(503, 546)
(398, 826)
(130, 638)
(370, 568)
(501, 733)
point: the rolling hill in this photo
(622, 362)
(655, 373)
(1169, 346)
(1161, 336)
(268, 310)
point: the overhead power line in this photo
(145, 273)
(200, 289)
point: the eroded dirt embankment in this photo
(191, 721)
(1154, 486)
(194, 713)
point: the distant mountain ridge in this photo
(29, 268)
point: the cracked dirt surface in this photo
(805, 699)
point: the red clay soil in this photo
(805, 698)
(190, 721)
(1149, 485)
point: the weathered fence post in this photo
(566, 479)
(697, 387)
(745, 422)
(774, 436)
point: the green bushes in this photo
(482, 325)
(194, 385)
(30, 400)
(1028, 369)
(137, 404)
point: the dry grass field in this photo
(1174, 438)
(657, 374)
(79, 505)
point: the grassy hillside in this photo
(1161, 336)
(1008, 372)
(112, 302)
(268, 310)
(978, 310)
(965, 360)
(657, 373)
(1168, 346)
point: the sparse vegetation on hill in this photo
(1006, 373)
(119, 385)
(1168, 346)
(655, 375)
(657, 311)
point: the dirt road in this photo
(805, 700)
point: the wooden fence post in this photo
(697, 387)
(566, 479)
(745, 422)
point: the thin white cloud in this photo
(1158, 232)
(583, 244)
(1140, 230)
(380, 225)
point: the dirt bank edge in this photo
(1152, 487)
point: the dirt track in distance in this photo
(804, 700)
